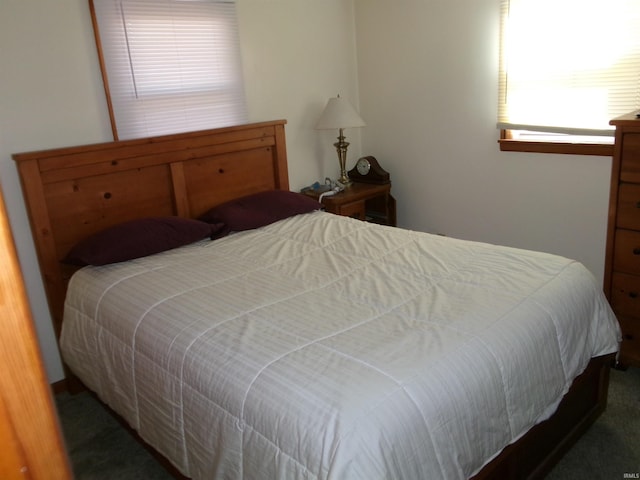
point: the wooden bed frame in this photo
(74, 192)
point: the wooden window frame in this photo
(508, 144)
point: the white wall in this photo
(50, 96)
(297, 54)
(428, 90)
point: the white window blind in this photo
(568, 66)
(171, 65)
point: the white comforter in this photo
(325, 347)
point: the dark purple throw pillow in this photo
(260, 209)
(139, 238)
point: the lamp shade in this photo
(339, 113)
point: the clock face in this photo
(363, 166)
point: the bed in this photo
(313, 345)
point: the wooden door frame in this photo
(31, 443)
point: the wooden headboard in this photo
(74, 192)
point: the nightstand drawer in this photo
(626, 256)
(353, 209)
(364, 201)
(629, 206)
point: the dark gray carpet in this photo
(100, 449)
(98, 446)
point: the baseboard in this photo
(70, 384)
(60, 386)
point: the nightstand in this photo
(364, 201)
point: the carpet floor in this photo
(100, 449)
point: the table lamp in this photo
(340, 114)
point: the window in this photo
(567, 67)
(169, 66)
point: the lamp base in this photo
(341, 147)
(345, 181)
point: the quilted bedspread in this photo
(328, 348)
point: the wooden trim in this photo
(509, 145)
(32, 444)
(60, 386)
(103, 69)
(12, 460)
(282, 174)
(613, 211)
(41, 231)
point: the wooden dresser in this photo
(622, 264)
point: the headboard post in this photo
(41, 231)
(73, 192)
(280, 159)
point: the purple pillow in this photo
(138, 238)
(260, 209)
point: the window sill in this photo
(600, 149)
